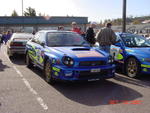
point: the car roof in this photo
(56, 31)
(22, 34)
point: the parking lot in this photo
(23, 90)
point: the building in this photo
(29, 24)
(139, 29)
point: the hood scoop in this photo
(81, 49)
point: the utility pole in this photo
(124, 16)
(22, 16)
(22, 7)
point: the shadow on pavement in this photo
(37, 71)
(2, 66)
(18, 59)
(143, 80)
(96, 93)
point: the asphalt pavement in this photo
(24, 90)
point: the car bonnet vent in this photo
(81, 49)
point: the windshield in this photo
(65, 39)
(132, 40)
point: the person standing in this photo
(75, 28)
(60, 28)
(7, 36)
(106, 37)
(4, 37)
(33, 32)
(90, 35)
(1, 40)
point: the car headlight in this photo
(146, 59)
(68, 61)
(110, 59)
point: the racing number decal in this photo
(40, 55)
(116, 53)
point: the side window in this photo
(35, 39)
(117, 38)
(118, 43)
(41, 37)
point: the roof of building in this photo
(21, 20)
(146, 21)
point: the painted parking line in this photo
(27, 84)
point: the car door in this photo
(31, 48)
(40, 48)
(117, 50)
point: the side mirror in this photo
(33, 40)
(43, 44)
(118, 44)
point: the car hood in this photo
(80, 52)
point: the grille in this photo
(89, 75)
(92, 63)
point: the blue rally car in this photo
(132, 53)
(66, 55)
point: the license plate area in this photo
(95, 70)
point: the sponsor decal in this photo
(56, 69)
(56, 73)
(146, 66)
(88, 54)
(129, 50)
(133, 102)
(145, 69)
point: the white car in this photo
(17, 43)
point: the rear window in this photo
(18, 37)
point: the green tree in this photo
(14, 13)
(101, 23)
(40, 14)
(136, 22)
(30, 12)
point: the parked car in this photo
(132, 53)
(17, 43)
(66, 55)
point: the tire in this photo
(48, 73)
(132, 68)
(28, 61)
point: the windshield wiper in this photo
(73, 45)
(55, 45)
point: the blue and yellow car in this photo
(132, 53)
(67, 56)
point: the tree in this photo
(30, 12)
(101, 23)
(136, 22)
(40, 14)
(14, 13)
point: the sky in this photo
(95, 10)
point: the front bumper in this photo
(71, 74)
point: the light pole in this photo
(22, 7)
(124, 16)
(22, 16)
